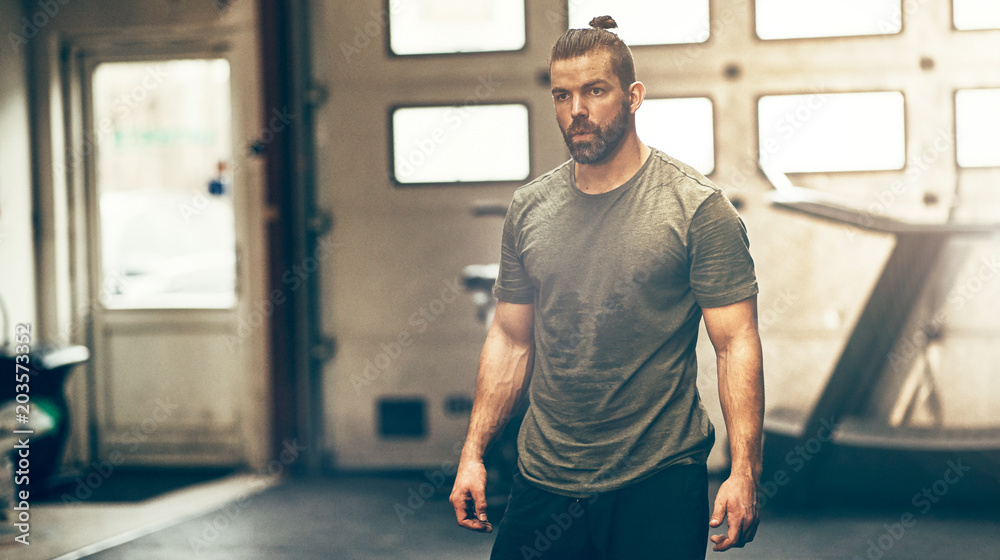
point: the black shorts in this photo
(662, 517)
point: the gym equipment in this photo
(873, 453)
(47, 414)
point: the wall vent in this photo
(402, 418)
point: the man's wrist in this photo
(747, 470)
(471, 454)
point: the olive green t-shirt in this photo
(618, 281)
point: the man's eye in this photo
(596, 91)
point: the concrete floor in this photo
(71, 531)
(358, 517)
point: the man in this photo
(608, 264)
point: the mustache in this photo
(580, 127)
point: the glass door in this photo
(165, 186)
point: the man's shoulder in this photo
(666, 171)
(556, 178)
(545, 189)
(677, 188)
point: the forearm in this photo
(741, 393)
(504, 372)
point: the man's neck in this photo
(608, 175)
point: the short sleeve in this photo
(513, 284)
(722, 270)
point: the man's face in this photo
(591, 108)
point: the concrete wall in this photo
(396, 245)
(395, 250)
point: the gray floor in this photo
(362, 517)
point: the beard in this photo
(605, 138)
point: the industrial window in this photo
(460, 144)
(681, 127)
(832, 132)
(793, 19)
(977, 127)
(648, 22)
(455, 26)
(976, 14)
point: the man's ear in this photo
(637, 92)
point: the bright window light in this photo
(832, 132)
(976, 14)
(682, 128)
(793, 19)
(460, 144)
(164, 164)
(977, 127)
(454, 26)
(647, 22)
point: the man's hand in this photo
(468, 496)
(737, 503)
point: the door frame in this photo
(296, 227)
(79, 56)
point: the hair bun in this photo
(603, 22)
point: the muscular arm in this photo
(733, 332)
(504, 371)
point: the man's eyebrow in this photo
(588, 85)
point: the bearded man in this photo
(608, 264)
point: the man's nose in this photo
(578, 107)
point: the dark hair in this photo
(579, 42)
